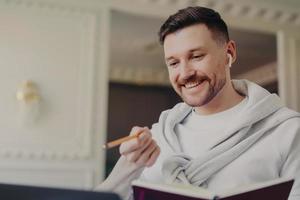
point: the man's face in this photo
(196, 64)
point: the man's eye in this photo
(197, 56)
(172, 64)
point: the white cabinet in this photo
(58, 48)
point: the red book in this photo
(278, 189)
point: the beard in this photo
(210, 89)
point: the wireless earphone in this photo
(229, 59)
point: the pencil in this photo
(120, 141)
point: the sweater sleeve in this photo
(119, 180)
(124, 172)
(291, 164)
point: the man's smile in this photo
(192, 84)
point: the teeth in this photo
(192, 84)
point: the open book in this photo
(278, 189)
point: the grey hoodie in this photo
(262, 145)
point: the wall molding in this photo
(48, 5)
(80, 146)
(258, 15)
(62, 177)
(140, 76)
(262, 75)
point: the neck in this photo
(225, 99)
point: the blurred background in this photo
(78, 73)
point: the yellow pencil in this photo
(120, 141)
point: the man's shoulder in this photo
(290, 119)
(291, 116)
(288, 129)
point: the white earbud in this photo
(229, 60)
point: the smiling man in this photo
(225, 134)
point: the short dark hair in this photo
(195, 15)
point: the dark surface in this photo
(133, 105)
(19, 192)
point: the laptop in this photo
(22, 192)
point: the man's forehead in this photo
(188, 39)
(195, 28)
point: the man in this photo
(227, 133)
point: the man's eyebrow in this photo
(169, 58)
(196, 49)
(191, 50)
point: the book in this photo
(277, 189)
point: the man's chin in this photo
(197, 102)
(194, 103)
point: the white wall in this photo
(62, 49)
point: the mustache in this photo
(195, 78)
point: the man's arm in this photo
(136, 154)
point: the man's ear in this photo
(229, 59)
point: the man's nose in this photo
(187, 71)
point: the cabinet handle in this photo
(28, 92)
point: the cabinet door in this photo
(48, 50)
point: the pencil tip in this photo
(104, 146)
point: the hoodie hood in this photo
(261, 103)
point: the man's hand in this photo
(143, 150)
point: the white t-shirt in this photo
(209, 128)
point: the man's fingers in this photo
(145, 141)
(153, 157)
(136, 129)
(144, 138)
(152, 146)
(136, 143)
(134, 155)
(146, 153)
(129, 146)
(142, 150)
